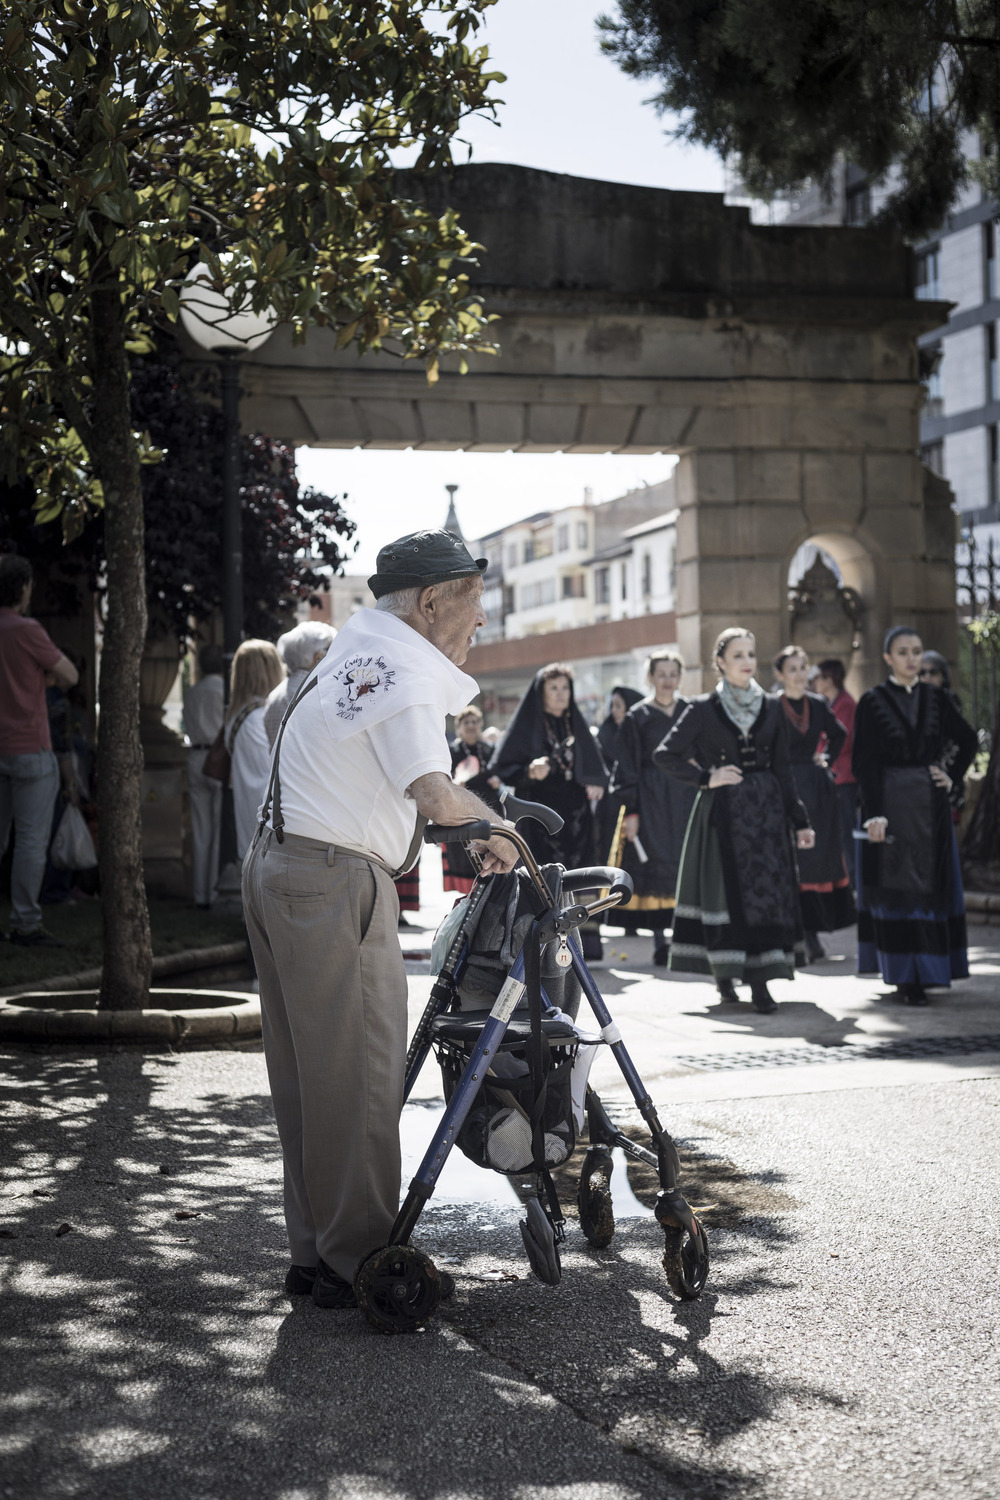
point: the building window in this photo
(534, 595)
(989, 261)
(647, 575)
(928, 274)
(574, 586)
(859, 204)
(992, 373)
(528, 554)
(562, 537)
(933, 375)
(622, 581)
(602, 585)
(672, 570)
(932, 454)
(582, 535)
(993, 453)
(512, 555)
(508, 600)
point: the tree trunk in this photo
(128, 949)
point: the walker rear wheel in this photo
(597, 1214)
(397, 1288)
(686, 1274)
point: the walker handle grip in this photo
(461, 833)
(600, 877)
(514, 809)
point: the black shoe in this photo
(815, 952)
(917, 995)
(763, 1001)
(661, 956)
(330, 1290)
(36, 938)
(299, 1280)
(727, 992)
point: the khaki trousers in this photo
(322, 926)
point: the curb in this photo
(188, 961)
(232, 1017)
(982, 908)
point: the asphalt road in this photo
(846, 1346)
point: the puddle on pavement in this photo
(461, 1181)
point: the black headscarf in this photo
(526, 738)
(607, 735)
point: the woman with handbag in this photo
(256, 671)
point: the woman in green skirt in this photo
(737, 913)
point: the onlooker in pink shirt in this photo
(29, 772)
(830, 682)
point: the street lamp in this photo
(208, 317)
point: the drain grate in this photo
(808, 1053)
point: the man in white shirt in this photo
(204, 706)
(361, 759)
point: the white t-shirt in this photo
(251, 766)
(344, 784)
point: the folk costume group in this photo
(722, 807)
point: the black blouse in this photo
(894, 728)
(817, 720)
(706, 735)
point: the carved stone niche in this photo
(826, 614)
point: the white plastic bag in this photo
(72, 847)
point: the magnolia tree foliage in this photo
(785, 88)
(256, 138)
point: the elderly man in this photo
(204, 710)
(300, 649)
(360, 762)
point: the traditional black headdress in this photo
(896, 632)
(525, 740)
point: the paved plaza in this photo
(846, 1346)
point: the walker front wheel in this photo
(398, 1288)
(593, 1199)
(540, 1243)
(686, 1274)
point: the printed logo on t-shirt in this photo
(361, 679)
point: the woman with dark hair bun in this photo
(737, 914)
(549, 755)
(824, 885)
(911, 919)
(656, 807)
(830, 675)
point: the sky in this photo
(567, 109)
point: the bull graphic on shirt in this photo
(362, 678)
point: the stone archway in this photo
(779, 363)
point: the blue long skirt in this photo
(927, 947)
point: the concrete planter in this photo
(175, 1017)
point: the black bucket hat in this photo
(423, 558)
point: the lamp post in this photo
(207, 316)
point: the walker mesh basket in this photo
(497, 1132)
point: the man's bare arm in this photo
(63, 674)
(441, 801)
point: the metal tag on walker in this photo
(563, 956)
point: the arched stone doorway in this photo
(779, 363)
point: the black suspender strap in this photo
(274, 783)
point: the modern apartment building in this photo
(960, 425)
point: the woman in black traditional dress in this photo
(549, 755)
(657, 807)
(470, 757)
(737, 913)
(824, 884)
(911, 923)
(609, 811)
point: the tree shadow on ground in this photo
(149, 1349)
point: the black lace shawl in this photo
(532, 733)
(884, 737)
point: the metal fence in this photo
(978, 579)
